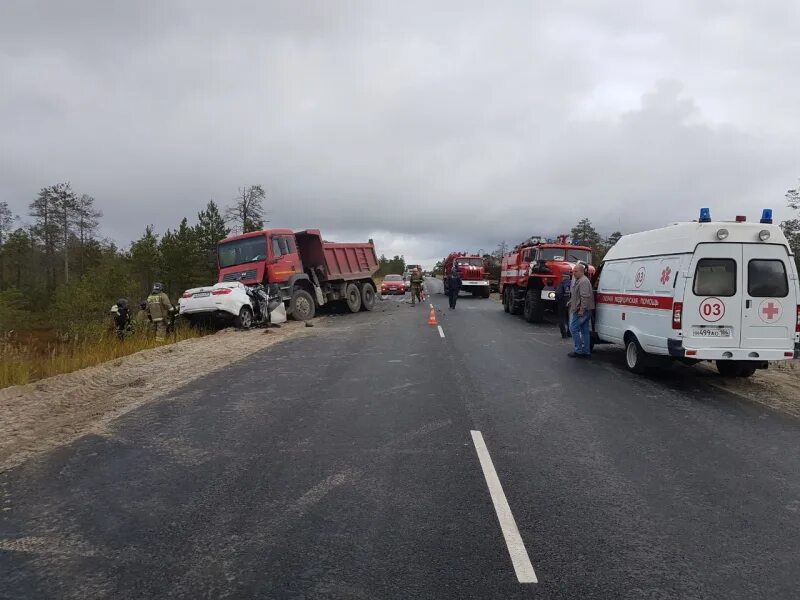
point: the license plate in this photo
(712, 332)
(201, 294)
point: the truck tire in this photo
(635, 356)
(487, 292)
(367, 297)
(506, 307)
(533, 310)
(514, 306)
(302, 306)
(352, 296)
(245, 318)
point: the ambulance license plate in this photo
(712, 332)
(201, 294)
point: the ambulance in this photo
(702, 291)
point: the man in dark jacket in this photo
(562, 304)
(453, 286)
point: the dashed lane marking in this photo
(516, 547)
(441, 331)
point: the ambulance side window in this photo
(715, 277)
(767, 279)
(611, 277)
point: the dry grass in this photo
(23, 361)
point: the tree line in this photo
(56, 268)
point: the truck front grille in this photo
(240, 275)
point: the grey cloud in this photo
(431, 125)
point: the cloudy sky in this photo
(428, 126)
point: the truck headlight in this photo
(552, 295)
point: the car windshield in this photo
(393, 278)
(474, 262)
(242, 251)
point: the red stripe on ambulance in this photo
(635, 300)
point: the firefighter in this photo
(122, 318)
(453, 286)
(562, 304)
(159, 309)
(416, 286)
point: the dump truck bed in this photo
(339, 261)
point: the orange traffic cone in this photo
(432, 318)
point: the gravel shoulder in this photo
(51, 412)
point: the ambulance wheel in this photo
(746, 370)
(367, 297)
(635, 356)
(506, 307)
(245, 318)
(533, 310)
(302, 306)
(732, 368)
(352, 296)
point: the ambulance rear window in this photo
(715, 277)
(767, 279)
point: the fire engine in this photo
(533, 270)
(474, 277)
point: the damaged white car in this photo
(247, 306)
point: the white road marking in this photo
(441, 331)
(516, 547)
(431, 305)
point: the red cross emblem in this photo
(769, 310)
(665, 276)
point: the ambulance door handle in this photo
(748, 303)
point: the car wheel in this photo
(367, 297)
(353, 297)
(302, 306)
(245, 318)
(635, 356)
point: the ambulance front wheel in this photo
(635, 356)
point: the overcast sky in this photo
(428, 126)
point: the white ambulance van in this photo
(716, 291)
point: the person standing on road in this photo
(562, 304)
(416, 286)
(581, 305)
(453, 286)
(159, 308)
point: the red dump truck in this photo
(305, 270)
(474, 278)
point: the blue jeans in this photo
(580, 327)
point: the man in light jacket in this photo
(581, 305)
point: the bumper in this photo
(676, 348)
(474, 283)
(395, 291)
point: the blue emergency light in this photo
(766, 216)
(705, 215)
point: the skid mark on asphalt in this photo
(319, 491)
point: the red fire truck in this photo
(474, 278)
(302, 268)
(532, 271)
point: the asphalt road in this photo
(343, 465)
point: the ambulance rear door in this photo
(712, 302)
(770, 305)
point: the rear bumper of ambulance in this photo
(676, 349)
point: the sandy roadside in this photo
(57, 410)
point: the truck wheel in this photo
(487, 292)
(635, 356)
(302, 306)
(353, 297)
(245, 318)
(506, 307)
(534, 307)
(514, 306)
(367, 297)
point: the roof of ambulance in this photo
(682, 238)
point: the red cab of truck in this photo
(474, 278)
(532, 271)
(307, 271)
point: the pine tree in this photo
(45, 229)
(86, 219)
(144, 259)
(180, 259)
(6, 221)
(210, 229)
